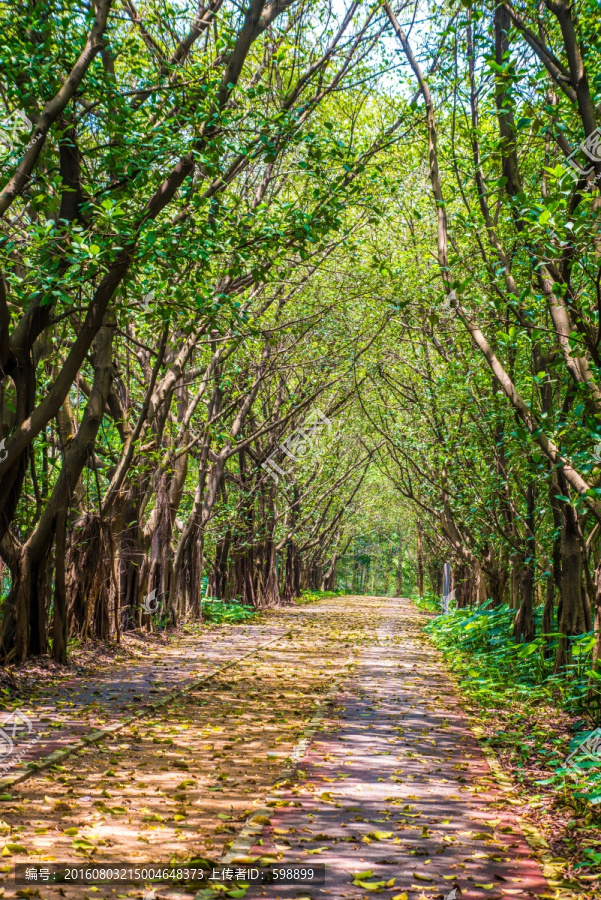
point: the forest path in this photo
(395, 783)
(397, 788)
(69, 708)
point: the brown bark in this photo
(548, 623)
(576, 481)
(292, 574)
(597, 625)
(328, 581)
(258, 17)
(59, 622)
(220, 566)
(399, 568)
(571, 614)
(504, 104)
(267, 586)
(420, 561)
(53, 108)
(517, 564)
(562, 9)
(24, 626)
(524, 620)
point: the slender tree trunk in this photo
(420, 561)
(446, 586)
(399, 569)
(267, 587)
(329, 579)
(462, 587)
(597, 648)
(548, 623)
(524, 620)
(220, 568)
(59, 622)
(571, 613)
(288, 593)
(515, 579)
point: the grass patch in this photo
(533, 719)
(226, 611)
(428, 603)
(314, 596)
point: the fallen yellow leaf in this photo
(422, 877)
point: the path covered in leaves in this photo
(394, 795)
(66, 709)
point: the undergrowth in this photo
(428, 603)
(314, 596)
(516, 682)
(228, 612)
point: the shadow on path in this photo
(397, 786)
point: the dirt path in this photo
(393, 784)
(396, 794)
(64, 711)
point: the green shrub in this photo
(220, 611)
(500, 674)
(429, 602)
(314, 596)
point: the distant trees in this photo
(189, 173)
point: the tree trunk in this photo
(59, 622)
(571, 613)
(27, 596)
(515, 578)
(267, 592)
(462, 587)
(420, 561)
(220, 567)
(399, 568)
(524, 621)
(288, 593)
(189, 583)
(329, 579)
(597, 648)
(496, 576)
(548, 623)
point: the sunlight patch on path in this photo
(180, 783)
(396, 796)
